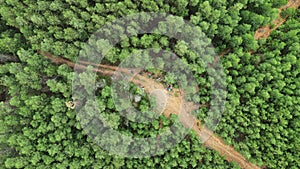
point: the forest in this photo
(229, 68)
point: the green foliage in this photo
(279, 3)
(260, 120)
(11, 40)
(288, 12)
(38, 130)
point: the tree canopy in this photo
(39, 126)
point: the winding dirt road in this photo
(175, 105)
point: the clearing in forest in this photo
(173, 101)
(173, 106)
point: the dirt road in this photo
(265, 31)
(175, 105)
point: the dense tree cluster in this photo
(38, 130)
(262, 115)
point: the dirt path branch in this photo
(265, 31)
